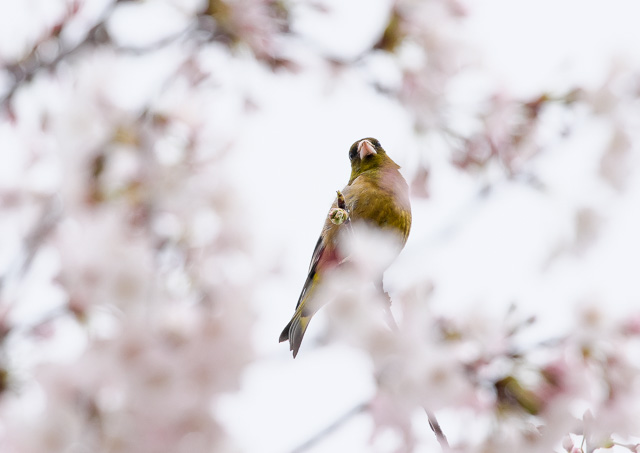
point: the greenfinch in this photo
(377, 195)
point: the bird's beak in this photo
(365, 148)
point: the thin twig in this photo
(331, 428)
(393, 325)
(435, 426)
(343, 205)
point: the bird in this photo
(377, 195)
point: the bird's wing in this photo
(325, 256)
(315, 258)
(317, 251)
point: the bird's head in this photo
(366, 154)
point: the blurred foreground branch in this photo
(340, 216)
(359, 408)
(29, 66)
(435, 426)
(393, 325)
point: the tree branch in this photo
(435, 426)
(331, 428)
(26, 69)
(393, 325)
(391, 322)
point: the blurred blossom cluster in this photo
(582, 388)
(114, 182)
(127, 262)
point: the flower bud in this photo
(338, 216)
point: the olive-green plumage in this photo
(376, 194)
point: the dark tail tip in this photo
(284, 336)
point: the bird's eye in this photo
(375, 143)
(352, 153)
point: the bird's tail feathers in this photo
(284, 336)
(294, 331)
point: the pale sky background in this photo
(496, 251)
